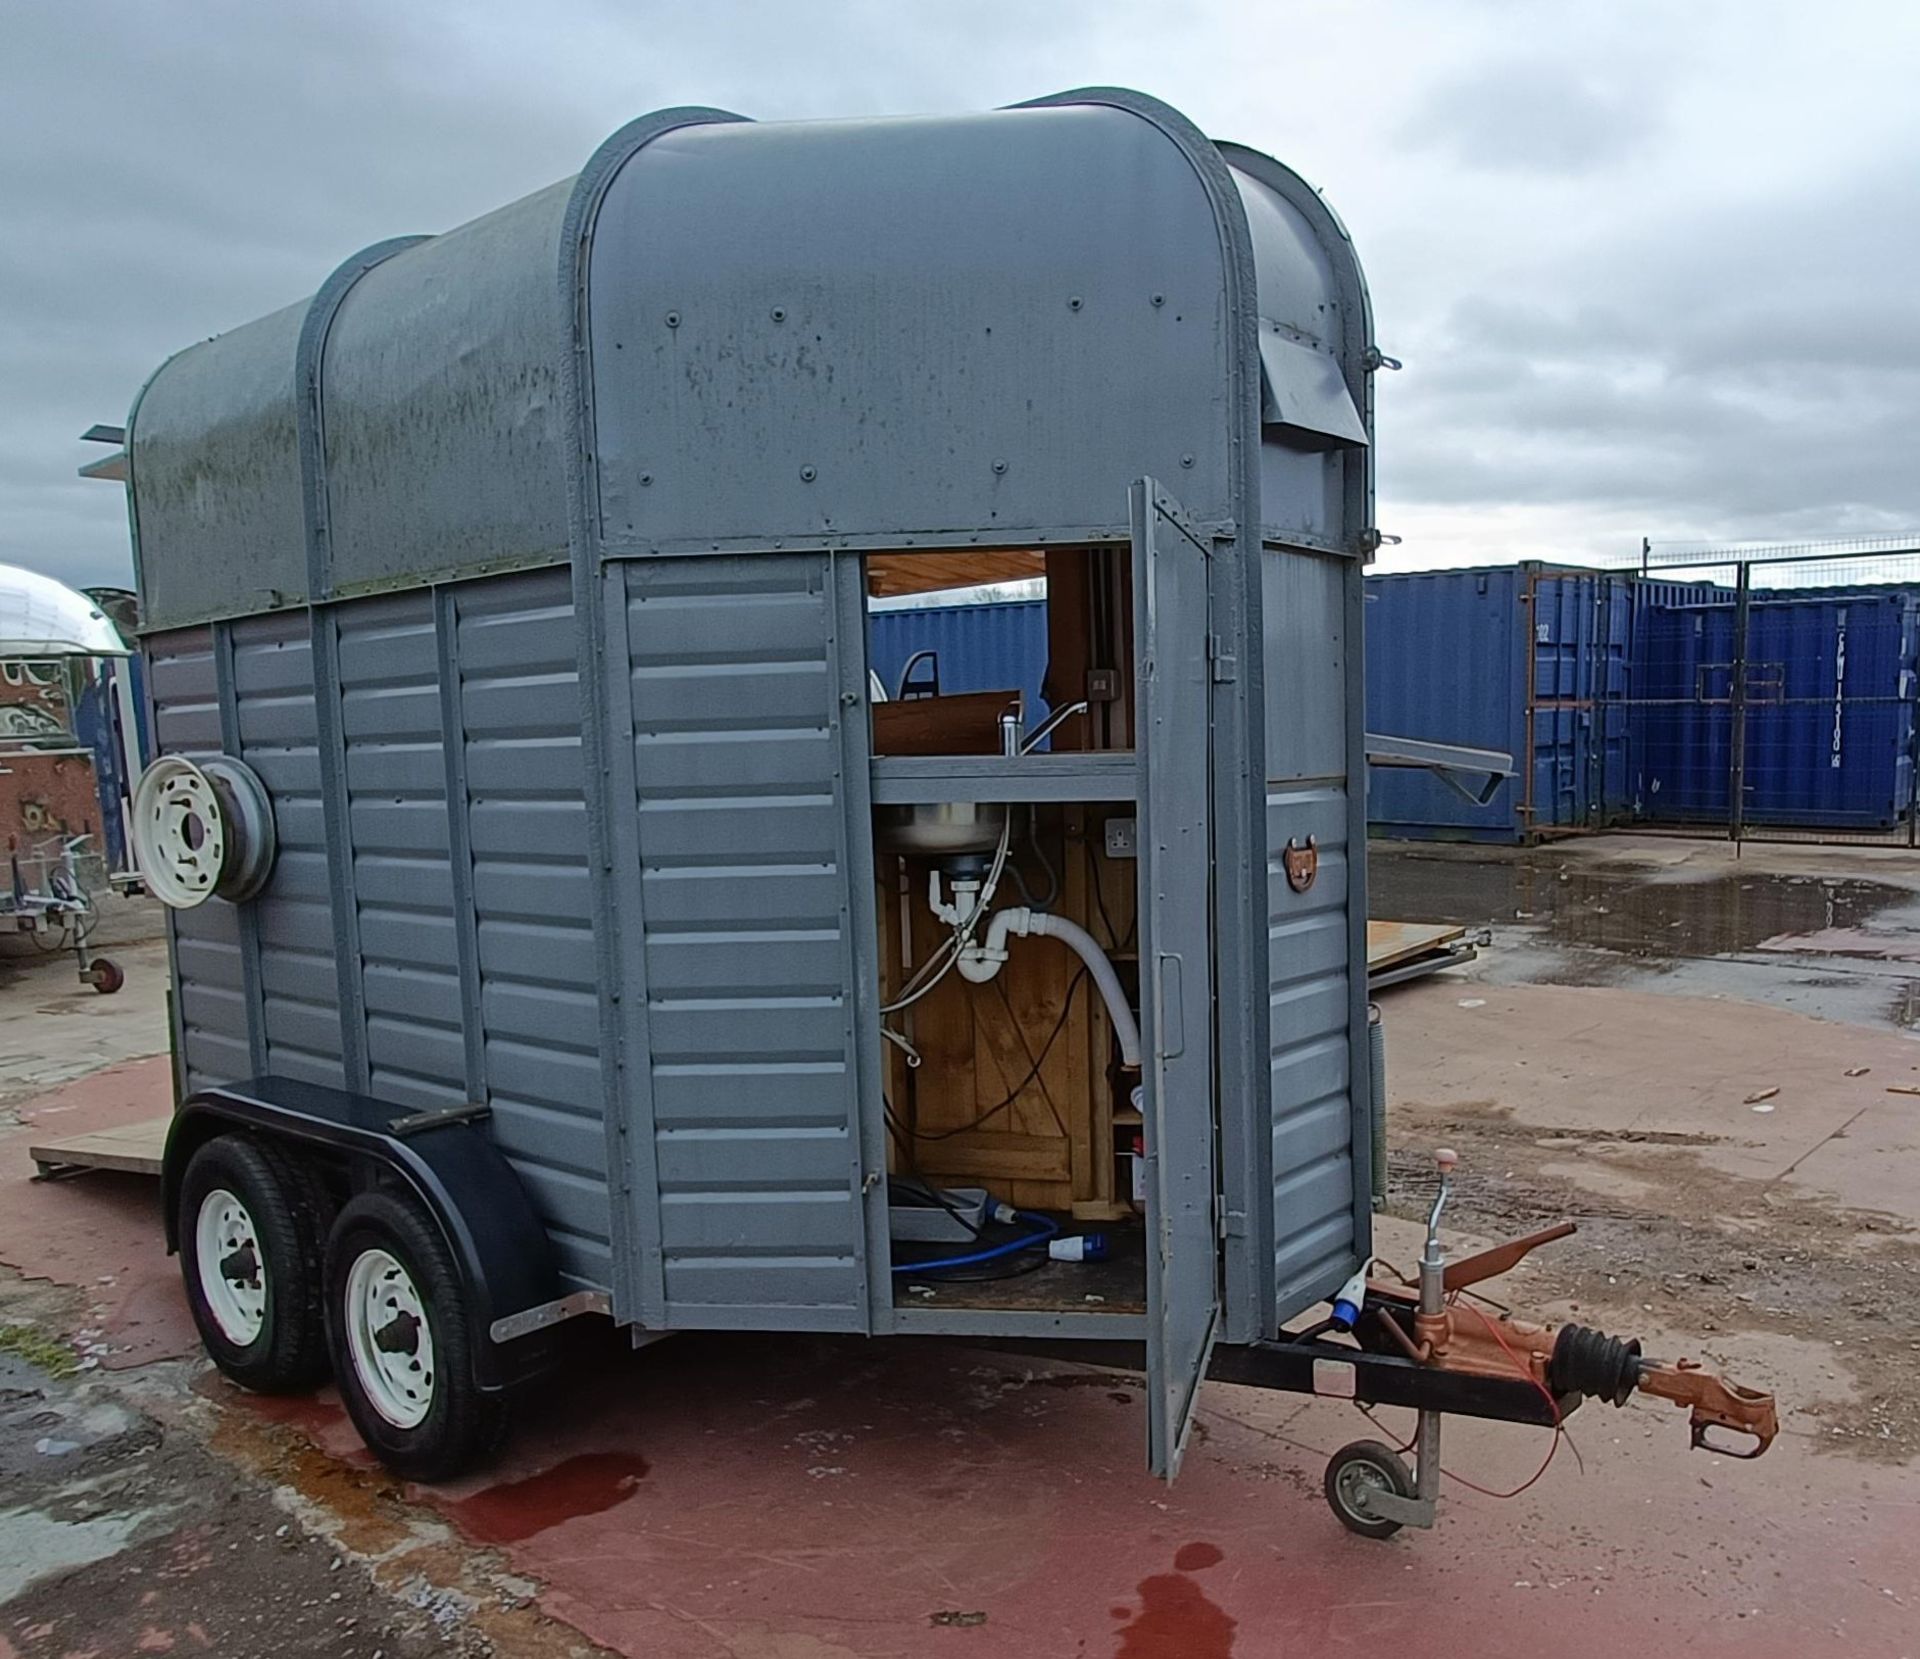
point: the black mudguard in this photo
(449, 1163)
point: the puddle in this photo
(1175, 1618)
(1623, 909)
(515, 1510)
(35, 1545)
(1839, 947)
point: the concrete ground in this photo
(1692, 1056)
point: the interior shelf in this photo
(915, 780)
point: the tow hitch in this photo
(1435, 1348)
(1445, 1343)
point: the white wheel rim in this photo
(233, 1269)
(389, 1339)
(179, 832)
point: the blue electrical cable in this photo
(1049, 1229)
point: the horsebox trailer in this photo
(562, 925)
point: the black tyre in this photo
(1356, 1472)
(403, 1341)
(250, 1223)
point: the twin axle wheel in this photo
(402, 1341)
(284, 1291)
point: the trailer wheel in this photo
(1357, 1471)
(249, 1231)
(104, 976)
(403, 1341)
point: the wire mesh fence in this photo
(1771, 692)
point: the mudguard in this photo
(449, 1163)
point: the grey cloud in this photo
(1752, 363)
(1533, 115)
(1613, 309)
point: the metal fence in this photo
(1771, 694)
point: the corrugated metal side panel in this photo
(1318, 1232)
(519, 706)
(745, 955)
(209, 990)
(1681, 718)
(988, 647)
(292, 918)
(1581, 623)
(1445, 662)
(1313, 1181)
(1830, 712)
(1609, 795)
(402, 871)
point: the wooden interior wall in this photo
(1053, 1146)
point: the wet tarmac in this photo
(1842, 946)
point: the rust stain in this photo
(1193, 1558)
(372, 1517)
(364, 1502)
(518, 1509)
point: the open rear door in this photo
(1172, 746)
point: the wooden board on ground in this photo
(1390, 943)
(133, 1149)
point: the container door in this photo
(1172, 745)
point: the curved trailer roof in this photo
(965, 332)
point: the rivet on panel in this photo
(673, 319)
(1159, 299)
(646, 478)
(999, 466)
(1074, 303)
(807, 475)
(779, 313)
(1186, 460)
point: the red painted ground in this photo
(102, 1236)
(793, 1498)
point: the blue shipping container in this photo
(1000, 646)
(1830, 722)
(1530, 659)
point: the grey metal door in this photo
(1176, 984)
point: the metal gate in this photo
(1573, 772)
(1776, 700)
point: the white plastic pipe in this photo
(980, 962)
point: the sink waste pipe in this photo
(981, 961)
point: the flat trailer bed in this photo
(132, 1149)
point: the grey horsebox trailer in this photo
(563, 922)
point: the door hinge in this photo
(1233, 1223)
(1226, 666)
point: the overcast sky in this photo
(1653, 268)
